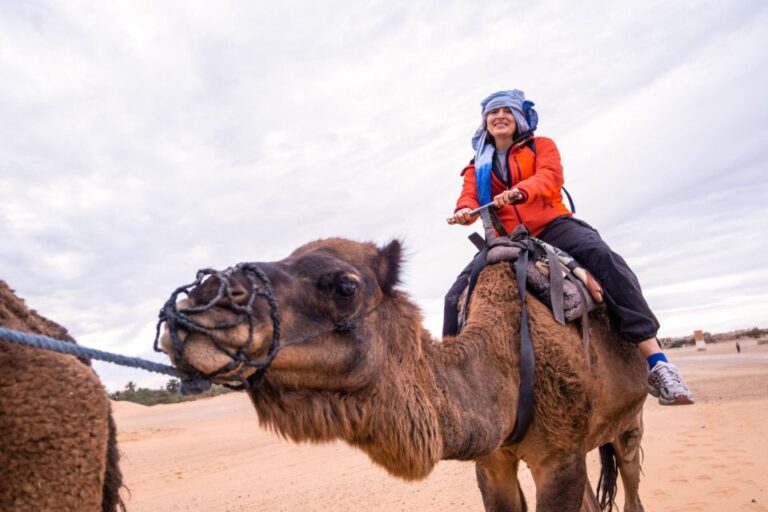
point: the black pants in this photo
(629, 312)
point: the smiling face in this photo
(500, 123)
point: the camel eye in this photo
(341, 284)
(345, 287)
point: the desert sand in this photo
(211, 455)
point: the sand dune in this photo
(211, 455)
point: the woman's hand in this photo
(511, 196)
(462, 217)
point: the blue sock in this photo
(656, 358)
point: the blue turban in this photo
(521, 110)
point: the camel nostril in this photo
(233, 290)
(238, 292)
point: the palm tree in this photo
(172, 386)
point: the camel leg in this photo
(499, 486)
(560, 483)
(627, 448)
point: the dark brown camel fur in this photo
(408, 400)
(58, 448)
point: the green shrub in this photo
(169, 394)
(754, 333)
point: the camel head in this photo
(301, 319)
(324, 344)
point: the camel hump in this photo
(15, 314)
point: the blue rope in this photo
(44, 342)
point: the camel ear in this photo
(388, 267)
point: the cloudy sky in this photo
(142, 140)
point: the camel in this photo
(58, 448)
(357, 365)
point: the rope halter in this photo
(257, 285)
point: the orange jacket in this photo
(538, 175)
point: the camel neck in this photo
(451, 400)
(473, 376)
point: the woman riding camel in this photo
(523, 176)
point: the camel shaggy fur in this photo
(58, 447)
(386, 386)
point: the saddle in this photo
(571, 293)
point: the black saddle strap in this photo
(527, 356)
(556, 287)
(478, 264)
(584, 293)
(478, 241)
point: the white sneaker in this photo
(666, 383)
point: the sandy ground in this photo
(211, 455)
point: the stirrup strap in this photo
(527, 357)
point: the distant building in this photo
(698, 337)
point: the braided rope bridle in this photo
(258, 285)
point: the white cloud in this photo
(142, 141)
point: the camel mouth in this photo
(202, 364)
(195, 386)
(220, 355)
(215, 334)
